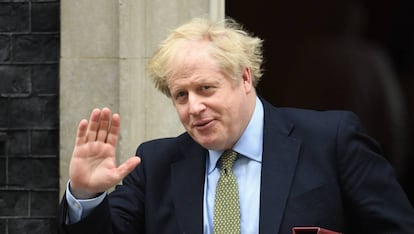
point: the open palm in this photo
(93, 167)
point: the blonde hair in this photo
(233, 48)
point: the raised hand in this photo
(93, 166)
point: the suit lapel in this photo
(280, 155)
(187, 178)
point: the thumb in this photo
(125, 168)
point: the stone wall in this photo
(29, 112)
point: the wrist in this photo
(82, 195)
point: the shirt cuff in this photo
(78, 209)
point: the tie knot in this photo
(227, 159)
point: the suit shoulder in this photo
(166, 143)
(299, 115)
(308, 121)
(307, 115)
(168, 149)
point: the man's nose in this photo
(195, 104)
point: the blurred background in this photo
(320, 54)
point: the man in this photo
(294, 167)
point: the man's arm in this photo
(372, 194)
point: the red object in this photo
(312, 230)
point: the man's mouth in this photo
(203, 124)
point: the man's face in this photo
(213, 108)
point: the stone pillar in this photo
(104, 50)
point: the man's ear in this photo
(247, 80)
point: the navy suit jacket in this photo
(318, 169)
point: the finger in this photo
(113, 132)
(93, 125)
(81, 134)
(129, 165)
(103, 124)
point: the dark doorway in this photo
(338, 54)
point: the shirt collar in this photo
(250, 144)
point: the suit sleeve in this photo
(372, 194)
(122, 211)
(100, 215)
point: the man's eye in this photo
(180, 94)
(205, 87)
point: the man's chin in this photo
(207, 143)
